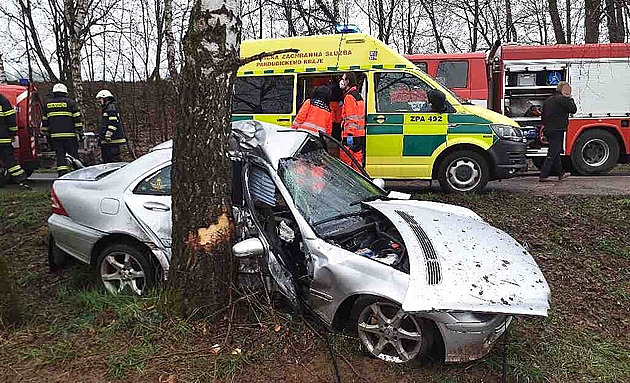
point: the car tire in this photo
(122, 268)
(388, 333)
(57, 258)
(463, 171)
(595, 152)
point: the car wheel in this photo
(595, 152)
(389, 333)
(463, 171)
(57, 258)
(123, 268)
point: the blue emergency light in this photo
(347, 28)
(24, 81)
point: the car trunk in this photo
(93, 173)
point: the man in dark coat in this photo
(555, 119)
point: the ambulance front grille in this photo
(434, 271)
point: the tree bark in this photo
(74, 13)
(614, 20)
(568, 18)
(592, 17)
(556, 22)
(201, 271)
(3, 74)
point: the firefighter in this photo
(315, 114)
(555, 119)
(8, 131)
(352, 119)
(112, 135)
(61, 122)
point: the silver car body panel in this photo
(482, 268)
(73, 238)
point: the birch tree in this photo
(201, 270)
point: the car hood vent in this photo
(434, 272)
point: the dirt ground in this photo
(70, 331)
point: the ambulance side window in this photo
(401, 92)
(263, 95)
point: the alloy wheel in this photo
(389, 333)
(463, 174)
(121, 270)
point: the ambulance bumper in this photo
(508, 158)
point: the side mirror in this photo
(248, 248)
(379, 182)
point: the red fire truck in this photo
(27, 104)
(515, 80)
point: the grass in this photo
(69, 326)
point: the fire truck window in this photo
(263, 95)
(454, 74)
(156, 184)
(422, 65)
(401, 92)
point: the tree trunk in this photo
(556, 22)
(510, 29)
(74, 13)
(614, 20)
(201, 271)
(26, 11)
(3, 74)
(591, 20)
(568, 24)
(170, 40)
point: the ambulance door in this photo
(403, 135)
(267, 98)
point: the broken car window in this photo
(322, 187)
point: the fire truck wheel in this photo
(463, 171)
(595, 152)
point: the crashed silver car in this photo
(408, 277)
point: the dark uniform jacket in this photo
(61, 118)
(111, 122)
(556, 110)
(8, 127)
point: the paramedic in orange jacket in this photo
(352, 119)
(315, 114)
(335, 107)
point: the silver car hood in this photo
(458, 262)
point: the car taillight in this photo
(56, 205)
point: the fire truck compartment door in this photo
(533, 67)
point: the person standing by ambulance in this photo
(352, 118)
(315, 114)
(111, 135)
(335, 107)
(8, 131)
(61, 122)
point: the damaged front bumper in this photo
(471, 336)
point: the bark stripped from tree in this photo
(556, 22)
(201, 270)
(592, 17)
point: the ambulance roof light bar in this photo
(347, 28)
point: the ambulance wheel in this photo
(463, 171)
(595, 152)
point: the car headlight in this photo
(508, 132)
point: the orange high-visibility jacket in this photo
(353, 114)
(335, 108)
(314, 115)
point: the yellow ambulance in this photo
(460, 144)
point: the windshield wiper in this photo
(370, 199)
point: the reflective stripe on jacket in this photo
(314, 115)
(8, 126)
(353, 114)
(61, 118)
(111, 124)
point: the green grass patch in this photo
(134, 359)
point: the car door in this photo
(149, 200)
(403, 134)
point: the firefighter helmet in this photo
(104, 94)
(60, 88)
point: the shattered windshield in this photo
(323, 188)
